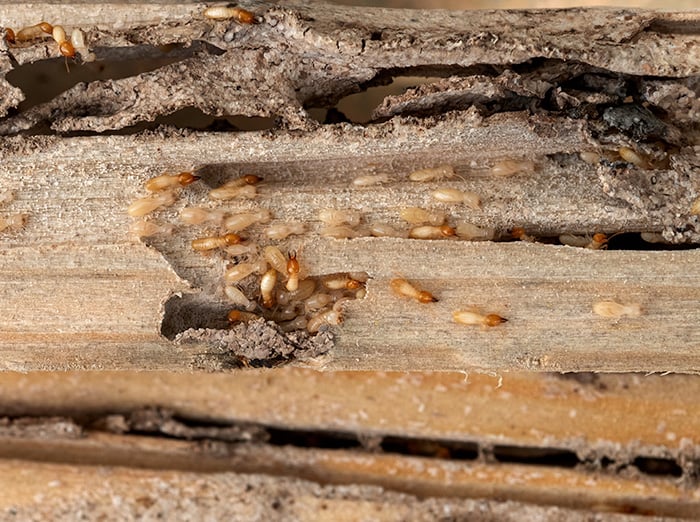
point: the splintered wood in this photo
(497, 190)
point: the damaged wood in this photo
(536, 86)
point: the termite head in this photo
(292, 263)
(9, 35)
(447, 231)
(600, 239)
(234, 316)
(517, 232)
(426, 297)
(186, 178)
(66, 49)
(494, 320)
(46, 27)
(354, 284)
(251, 179)
(232, 239)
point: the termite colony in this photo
(261, 279)
(67, 47)
(10, 222)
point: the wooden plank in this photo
(73, 285)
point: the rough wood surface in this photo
(77, 293)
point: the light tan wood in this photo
(78, 293)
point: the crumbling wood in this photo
(78, 293)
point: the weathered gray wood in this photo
(78, 293)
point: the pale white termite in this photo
(170, 181)
(335, 217)
(13, 222)
(283, 230)
(384, 230)
(471, 232)
(613, 309)
(239, 222)
(342, 281)
(198, 215)
(276, 258)
(267, 287)
(654, 237)
(507, 168)
(305, 289)
(144, 206)
(292, 272)
(210, 243)
(420, 216)
(632, 156)
(228, 192)
(431, 232)
(433, 173)
(473, 317)
(597, 242)
(225, 12)
(368, 181)
(590, 157)
(242, 270)
(452, 195)
(236, 296)
(317, 301)
(31, 32)
(315, 322)
(298, 323)
(143, 228)
(403, 288)
(65, 46)
(341, 232)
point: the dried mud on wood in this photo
(541, 86)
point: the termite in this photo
(367, 181)
(384, 230)
(431, 232)
(614, 309)
(420, 216)
(333, 217)
(519, 233)
(433, 174)
(267, 287)
(239, 316)
(10, 35)
(304, 290)
(284, 230)
(65, 47)
(169, 181)
(317, 301)
(236, 296)
(475, 318)
(276, 258)
(340, 232)
(298, 323)
(198, 215)
(238, 14)
(34, 31)
(507, 168)
(342, 281)
(292, 272)
(231, 192)
(143, 228)
(243, 270)
(593, 158)
(631, 156)
(146, 205)
(13, 222)
(315, 322)
(451, 195)
(471, 232)
(210, 243)
(402, 287)
(597, 242)
(238, 222)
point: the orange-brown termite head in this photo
(9, 35)
(598, 242)
(447, 231)
(239, 316)
(66, 49)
